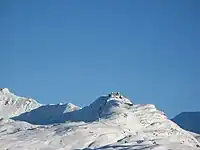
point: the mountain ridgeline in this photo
(111, 122)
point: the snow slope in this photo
(196, 135)
(189, 121)
(108, 123)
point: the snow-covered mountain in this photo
(189, 121)
(110, 122)
(49, 114)
(12, 105)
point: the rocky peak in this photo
(4, 90)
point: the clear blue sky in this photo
(74, 51)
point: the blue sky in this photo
(74, 51)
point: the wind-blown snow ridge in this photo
(110, 122)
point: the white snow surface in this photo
(107, 123)
(196, 135)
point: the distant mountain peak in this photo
(113, 97)
(118, 97)
(115, 94)
(71, 107)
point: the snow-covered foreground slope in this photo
(108, 123)
(189, 121)
(106, 134)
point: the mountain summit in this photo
(4, 90)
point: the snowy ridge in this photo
(111, 122)
(103, 107)
(12, 106)
(47, 114)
